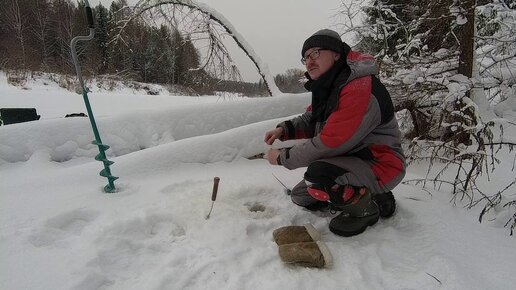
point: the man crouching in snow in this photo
(353, 153)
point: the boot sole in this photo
(355, 232)
(386, 198)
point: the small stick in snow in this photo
(214, 194)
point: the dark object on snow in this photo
(357, 214)
(386, 203)
(296, 234)
(18, 115)
(151, 91)
(214, 194)
(76, 115)
(302, 246)
(257, 156)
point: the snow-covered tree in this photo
(449, 64)
(205, 27)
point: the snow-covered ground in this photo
(60, 231)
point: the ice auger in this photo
(106, 172)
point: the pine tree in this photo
(119, 53)
(102, 38)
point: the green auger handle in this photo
(106, 172)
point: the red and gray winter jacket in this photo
(362, 124)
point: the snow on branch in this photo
(205, 25)
(450, 70)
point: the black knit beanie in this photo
(327, 39)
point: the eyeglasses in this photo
(312, 55)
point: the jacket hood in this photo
(361, 64)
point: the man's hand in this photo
(272, 156)
(272, 135)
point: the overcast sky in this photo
(276, 29)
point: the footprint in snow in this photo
(57, 229)
(131, 245)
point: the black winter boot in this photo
(386, 203)
(318, 206)
(357, 214)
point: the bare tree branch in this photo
(202, 20)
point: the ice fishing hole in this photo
(255, 207)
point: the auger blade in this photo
(109, 189)
(104, 173)
(101, 158)
(104, 147)
(112, 178)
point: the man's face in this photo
(319, 61)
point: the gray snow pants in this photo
(345, 170)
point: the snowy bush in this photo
(459, 102)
